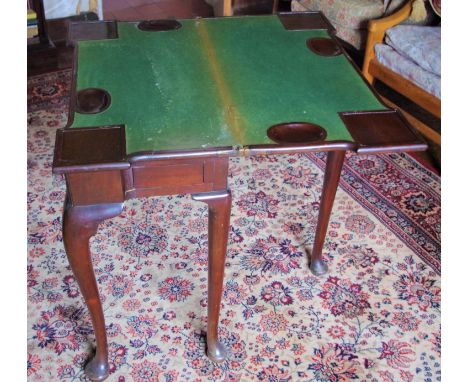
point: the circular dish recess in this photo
(158, 25)
(296, 133)
(92, 101)
(324, 46)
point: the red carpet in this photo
(374, 317)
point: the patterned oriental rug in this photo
(374, 317)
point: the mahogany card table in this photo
(158, 108)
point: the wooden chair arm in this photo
(376, 33)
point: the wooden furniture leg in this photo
(330, 184)
(79, 225)
(219, 210)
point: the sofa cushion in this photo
(418, 43)
(407, 68)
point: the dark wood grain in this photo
(79, 225)
(274, 149)
(90, 149)
(382, 131)
(305, 20)
(324, 46)
(176, 176)
(330, 184)
(95, 187)
(92, 30)
(219, 211)
(100, 176)
(296, 133)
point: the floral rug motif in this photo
(374, 317)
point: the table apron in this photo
(149, 178)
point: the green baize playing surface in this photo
(217, 82)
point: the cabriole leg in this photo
(330, 184)
(79, 225)
(219, 207)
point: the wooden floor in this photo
(131, 10)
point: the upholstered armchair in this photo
(349, 17)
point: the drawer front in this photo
(168, 175)
(176, 176)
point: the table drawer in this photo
(175, 176)
(168, 175)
